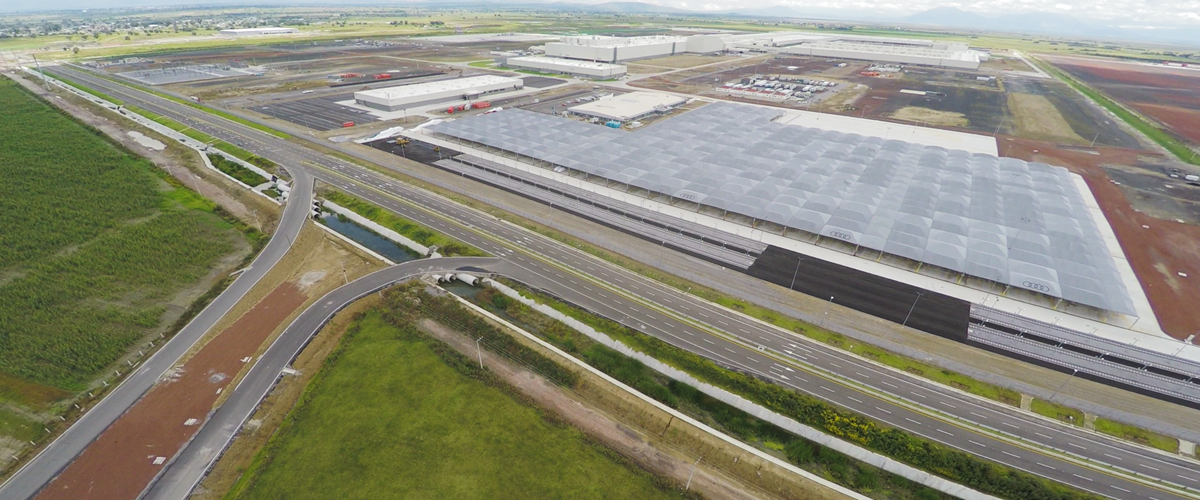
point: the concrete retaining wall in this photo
(374, 226)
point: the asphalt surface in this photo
(54, 458)
(189, 466)
(935, 412)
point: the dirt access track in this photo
(1157, 249)
(127, 456)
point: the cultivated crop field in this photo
(96, 249)
(394, 415)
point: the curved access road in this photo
(189, 466)
(1072, 456)
(36, 473)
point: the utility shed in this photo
(405, 96)
(629, 107)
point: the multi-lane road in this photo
(979, 427)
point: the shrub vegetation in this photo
(96, 241)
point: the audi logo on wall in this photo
(1035, 286)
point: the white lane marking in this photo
(1148, 467)
(919, 395)
(883, 410)
(709, 341)
(1043, 435)
(826, 388)
(1185, 477)
(911, 420)
(1046, 466)
(1082, 477)
(1010, 454)
(944, 432)
(1119, 488)
(1010, 425)
(947, 404)
(856, 400)
(1113, 456)
(981, 445)
(835, 364)
(978, 415)
(1077, 446)
(889, 385)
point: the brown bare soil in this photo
(1035, 116)
(120, 463)
(1168, 95)
(1157, 249)
(269, 415)
(931, 116)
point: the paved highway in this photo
(918, 406)
(56, 456)
(189, 466)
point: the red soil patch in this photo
(1156, 254)
(1185, 122)
(120, 463)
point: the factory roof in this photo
(1002, 219)
(565, 62)
(628, 106)
(418, 89)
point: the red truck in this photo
(383, 76)
(347, 124)
(481, 105)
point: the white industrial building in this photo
(612, 49)
(574, 67)
(259, 31)
(397, 98)
(628, 107)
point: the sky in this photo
(1146, 14)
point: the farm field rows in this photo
(393, 415)
(100, 249)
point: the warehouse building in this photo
(628, 107)
(259, 31)
(976, 220)
(573, 67)
(407, 96)
(612, 49)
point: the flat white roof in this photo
(566, 62)
(628, 106)
(419, 89)
(609, 42)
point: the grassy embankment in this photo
(240, 153)
(447, 246)
(396, 414)
(96, 243)
(957, 466)
(1163, 138)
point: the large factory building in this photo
(407, 96)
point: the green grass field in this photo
(96, 241)
(388, 417)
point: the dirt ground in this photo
(1157, 249)
(930, 116)
(684, 61)
(1169, 95)
(1034, 116)
(637, 443)
(156, 423)
(269, 415)
(121, 462)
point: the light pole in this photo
(796, 273)
(910, 310)
(1064, 384)
(693, 473)
(826, 313)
